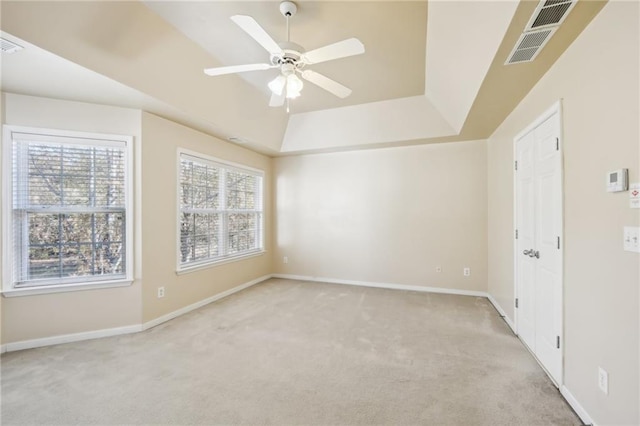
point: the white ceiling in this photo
(429, 74)
(22, 72)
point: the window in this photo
(220, 214)
(68, 221)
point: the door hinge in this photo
(516, 234)
(516, 302)
(557, 144)
(558, 243)
(558, 342)
(516, 165)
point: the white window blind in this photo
(69, 209)
(220, 211)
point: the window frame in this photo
(182, 268)
(9, 287)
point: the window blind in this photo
(220, 210)
(69, 209)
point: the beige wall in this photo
(388, 215)
(597, 79)
(156, 143)
(32, 317)
(162, 138)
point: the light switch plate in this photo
(632, 238)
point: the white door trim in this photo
(556, 108)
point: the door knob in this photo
(535, 254)
(527, 252)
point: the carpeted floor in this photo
(294, 353)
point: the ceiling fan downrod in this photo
(288, 9)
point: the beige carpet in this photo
(289, 352)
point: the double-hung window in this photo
(67, 210)
(220, 211)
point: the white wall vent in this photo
(549, 13)
(7, 46)
(529, 45)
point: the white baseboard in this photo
(580, 411)
(501, 312)
(96, 334)
(68, 338)
(383, 285)
(171, 315)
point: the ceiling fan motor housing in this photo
(292, 55)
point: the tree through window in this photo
(220, 210)
(69, 209)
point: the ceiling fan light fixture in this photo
(277, 85)
(294, 86)
(291, 58)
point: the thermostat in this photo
(617, 180)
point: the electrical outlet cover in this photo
(632, 238)
(603, 380)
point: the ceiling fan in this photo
(291, 58)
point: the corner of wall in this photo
(2, 122)
(161, 140)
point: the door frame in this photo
(556, 108)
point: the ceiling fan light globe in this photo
(277, 85)
(294, 86)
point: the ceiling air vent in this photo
(7, 46)
(549, 13)
(529, 45)
(546, 19)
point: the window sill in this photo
(205, 265)
(62, 288)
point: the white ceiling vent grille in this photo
(7, 46)
(529, 45)
(546, 19)
(549, 13)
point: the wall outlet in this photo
(160, 292)
(603, 380)
(632, 238)
(466, 272)
(438, 268)
(285, 259)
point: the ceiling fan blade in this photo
(326, 83)
(251, 27)
(277, 100)
(341, 49)
(237, 68)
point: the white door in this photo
(539, 250)
(526, 239)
